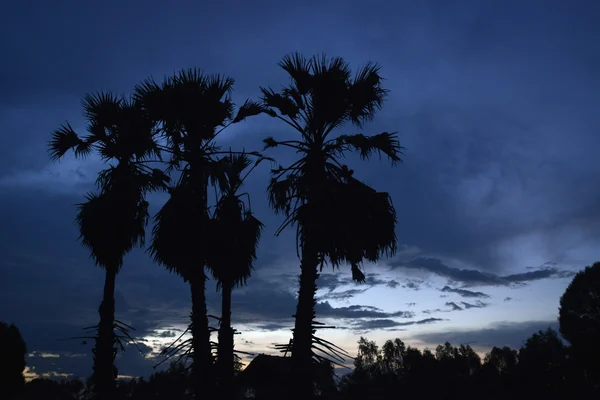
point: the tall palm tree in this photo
(235, 234)
(191, 109)
(338, 218)
(112, 221)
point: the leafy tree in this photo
(12, 359)
(501, 361)
(112, 222)
(190, 110)
(393, 353)
(579, 318)
(43, 388)
(542, 362)
(235, 234)
(338, 218)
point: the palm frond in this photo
(64, 139)
(383, 143)
(299, 69)
(284, 104)
(281, 193)
(102, 107)
(366, 96)
(248, 109)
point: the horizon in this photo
(495, 105)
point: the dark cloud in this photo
(392, 284)
(475, 277)
(478, 304)
(366, 325)
(455, 307)
(273, 327)
(413, 284)
(344, 295)
(464, 292)
(501, 334)
(324, 309)
(165, 334)
(508, 299)
(331, 282)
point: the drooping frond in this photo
(111, 224)
(180, 234)
(235, 232)
(234, 241)
(351, 223)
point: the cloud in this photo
(508, 299)
(478, 304)
(392, 284)
(455, 307)
(344, 295)
(475, 277)
(464, 292)
(389, 323)
(324, 309)
(511, 334)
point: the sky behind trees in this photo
(495, 102)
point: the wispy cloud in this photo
(475, 277)
(464, 292)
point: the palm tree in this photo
(112, 222)
(235, 234)
(191, 109)
(338, 218)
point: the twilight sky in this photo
(496, 103)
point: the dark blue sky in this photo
(496, 103)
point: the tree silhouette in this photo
(12, 360)
(235, 234)
(338, 218)
(579, 318)
(542, 362)
(112, 222)
(191, 109)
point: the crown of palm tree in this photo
(348, 220)
(235, 232)
(190, 110)
(112, 221)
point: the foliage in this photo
(579, 317)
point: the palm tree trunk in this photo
(202, 355)
(105, 372)
(226, 343)
(302, 368)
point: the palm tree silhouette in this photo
(112, 222)
(235, 234)
(338, 218)
(191, 109)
